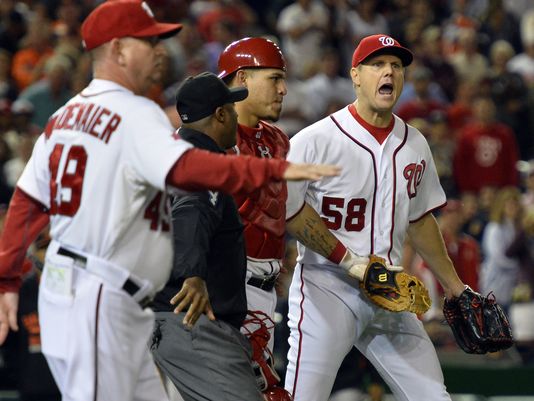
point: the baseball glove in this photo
(393, 290)
(478, 323)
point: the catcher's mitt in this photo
(395, 291)
(478, 323)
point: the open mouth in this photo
(386, 89)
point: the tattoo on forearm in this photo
(314, 237)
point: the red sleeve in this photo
(25, 219)
(198, 169)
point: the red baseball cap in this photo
(121, 18)
(380, 44)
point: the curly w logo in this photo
(414, 174)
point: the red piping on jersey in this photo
(297, 364)
(395, 191)
(101, 93)
(371, 251)
(293, 216)
(427, 212)
(97, 315)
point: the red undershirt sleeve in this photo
(198, 170)
(25, 219)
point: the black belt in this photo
(266, 284)
(129, 285)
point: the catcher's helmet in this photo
(277, 394)
(250, 53)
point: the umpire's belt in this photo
(265, 283)
(129, 285)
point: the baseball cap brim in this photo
(404, 54)
(238, 94)
(160, 29)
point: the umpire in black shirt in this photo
(196, 340)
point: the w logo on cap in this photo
(147, 9)
(386, 41)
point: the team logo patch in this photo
(413, 173)
(147, 9)
(386, 41)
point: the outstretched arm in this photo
(426, 238)
(198, 170)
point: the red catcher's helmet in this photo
(277, 394)
(250, 53)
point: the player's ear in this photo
(219, 114)
(116, 48)
(355, 75)
(241, 78)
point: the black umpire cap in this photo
(199, 96)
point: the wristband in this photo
(338, 253)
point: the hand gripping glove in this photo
(478, 323)
(392, 289)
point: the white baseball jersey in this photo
(381, 189)
(100, 168)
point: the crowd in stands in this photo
(470, 91)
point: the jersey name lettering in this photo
(88, 118)
(413, 173)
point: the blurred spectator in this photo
(518, 7)
(5, 190)
(8, 89)
(463, 250)
(13, 167)
(521, 314)
(431, 56)
(183, 48)
(237, 11)
(500, 52)
(361, 19)
(462, 17)
(486, 152)
(327, 86)
(296, 113)
(21, 119)
(460, 112)
(499, 24)
(442, 142)
(527, 198)
(468, 62)
(36, 49)
(302, 26)
(523, 63)
(5, 115)
(422, 103)
(499, 272)
(475, 218)
(510, 94)
(224, 32)
(12, 27)
(420, 17)
(68, 22)
(397, 17)
(50, 93)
